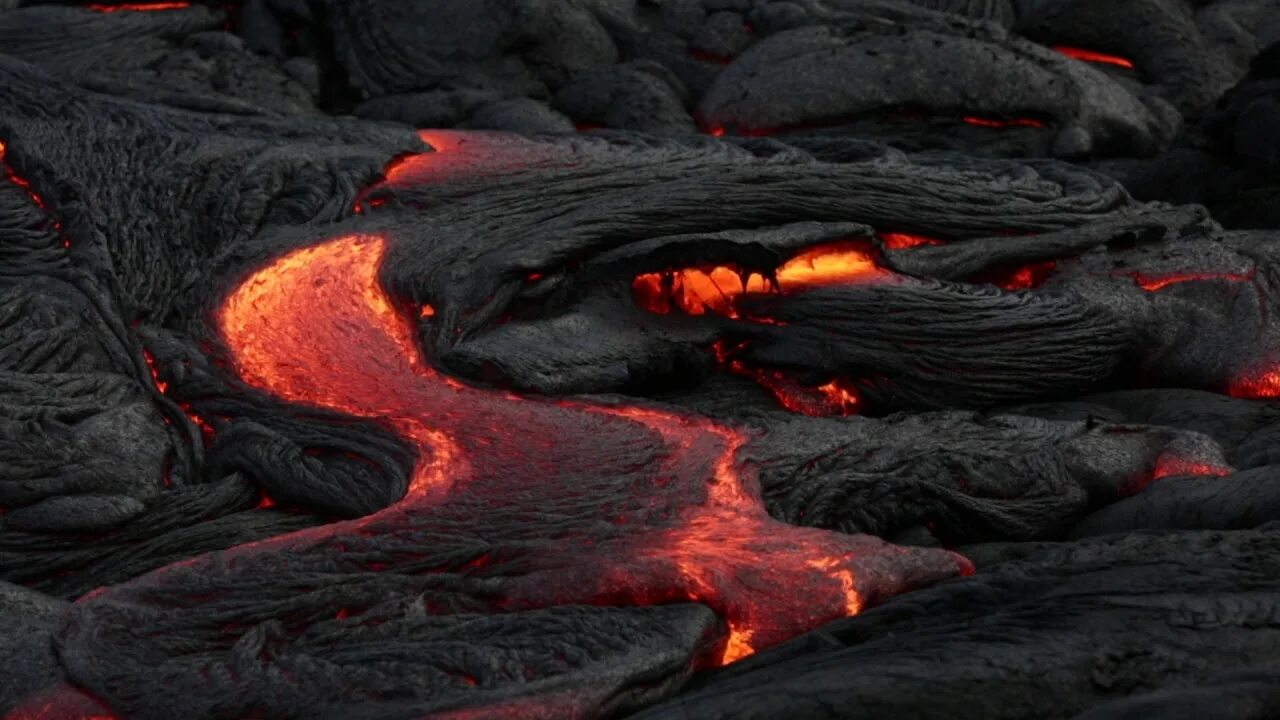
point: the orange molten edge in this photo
(1094, 57)
(12, 176)
(206, 430)
(1169, 466)
(1152, 283)
(1003, 123)
(1257, 386)
(140, 7)
(315, 327)
(697, 290)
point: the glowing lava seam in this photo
(140, 7)
(1094, 57)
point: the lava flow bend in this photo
(652, 506)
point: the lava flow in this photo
(1259, 385)
(1094, 57)
(697, 290)
(650, 506)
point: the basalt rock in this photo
(851, 358)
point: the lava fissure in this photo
(139, 7)
(1094, 56)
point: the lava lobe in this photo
(316, 328)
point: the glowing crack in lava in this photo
(646, 506)
(1258, 385)
(697, 290)
(25, 185)
(1154, 283)
(1169, 465)
(1094, 57)
(1003, 122)
(1026, 277)
(140, 7)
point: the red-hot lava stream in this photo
(315, 327)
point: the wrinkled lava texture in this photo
(542, 359)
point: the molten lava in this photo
(1152, 283)
(206, 430)
(904, 241)
(12, 176)
(1094, 57)
(140, 7)
(1168, 465)
(1261, 385)
(679, 522)
(838, 397)
(697, 290)
(1003, 122)
(1027, 277)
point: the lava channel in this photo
(516, 503)
(287, 324)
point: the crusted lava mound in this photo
(585, 358)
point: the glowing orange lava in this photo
(838, 397)
(1152, 283)
(904, 241)
(1170, 465)
(140, 7)
(206, 430)
(1261, 385)
(1094, 57)
(1027, 277)
(12, 176)
(698, 290)
(315, 327)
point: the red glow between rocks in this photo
(12, 176)
(1027, 277)
(904, 241)
(1172, 465)
(837, 397)
(140, 7)
(1153, 283)
(716, 289)
(1094, 57)
(457, 155)
(206, 430)
(315, 327)
(1259, 385)
(1003, 122)
(696, 291)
